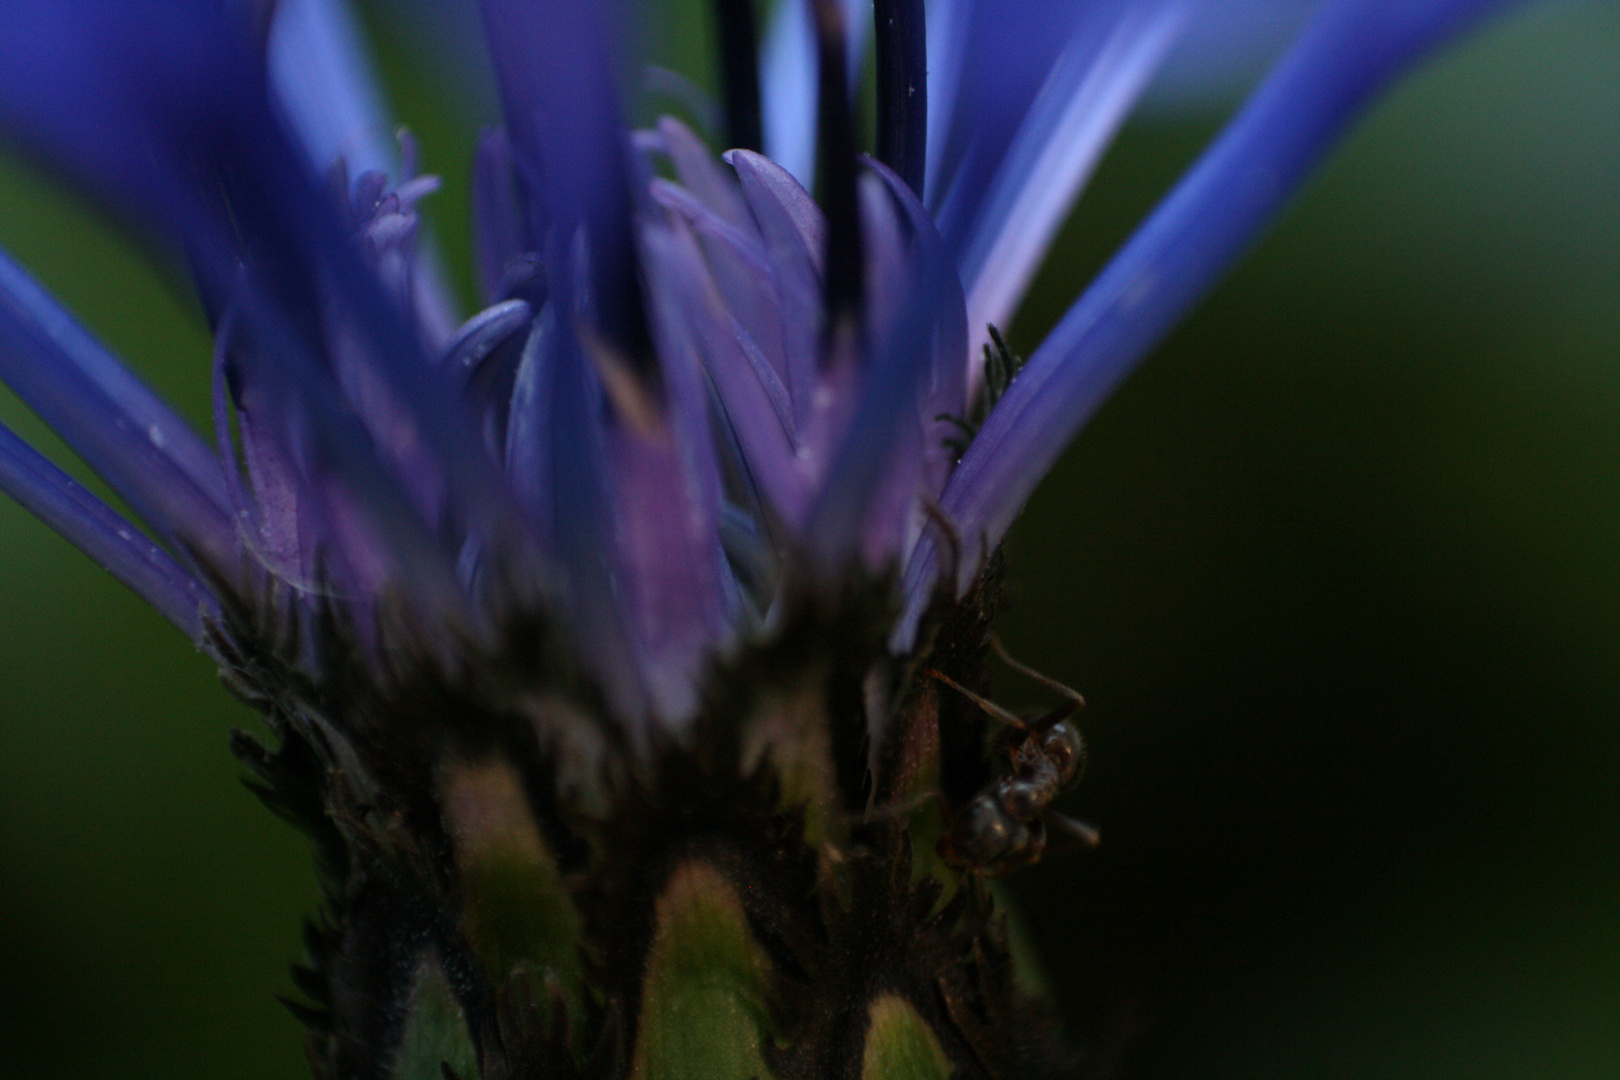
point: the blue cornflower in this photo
(698, 403)
(729, 377)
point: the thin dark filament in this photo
(1001, 367)
(902, 88)
(835, 167)
(618, 301)
(739, 72)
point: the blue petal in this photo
(788, 89)
(1226, 50)
(500, 229)
(163, 107)
(1351, 51)
(946, 392)
(1087, 96)
(554, 64)
(115, 545)
(324, 82)
(1001, 55)
(81, 81)
(947, 47)
(149, 455)
(890, 511)
(788, 79)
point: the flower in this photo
(693, 411)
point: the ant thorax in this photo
(1026, 792)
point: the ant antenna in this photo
(1086, 834)
(1045, 680)
(995, 711)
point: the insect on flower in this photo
(1004, 827)
(587, 626)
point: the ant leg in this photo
(1076, 701)
(985, 553)
(1086, 834)
(904, 808)
(995, 711)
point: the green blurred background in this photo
(1339, 570)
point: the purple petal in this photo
(745, 277)
(795, 241)
(558, 464)
(787, 216)
(317, 461)
(946, 393)
(1351, 51)
(753, 402)
(678, 593)
(670, 568)
(273, 521)
(115, 545)
(884, 248)
(873, 483)
(699, 172)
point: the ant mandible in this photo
(1004, 826)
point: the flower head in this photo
(686, 394)
(722, 417)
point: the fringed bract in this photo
(511, 890)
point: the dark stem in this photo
(902, 88)
(835, 167)
(739, 72)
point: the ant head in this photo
(1064, 748)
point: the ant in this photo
(1004, 826)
